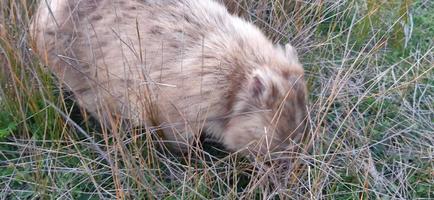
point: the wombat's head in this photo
(269, 114)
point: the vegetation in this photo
(369, 66)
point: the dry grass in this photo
(370, 72)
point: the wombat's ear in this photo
(259, 84)
(291, 53)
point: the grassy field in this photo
(370, 71)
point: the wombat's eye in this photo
(245, 110)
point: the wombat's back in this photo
(101, 48)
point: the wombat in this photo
(186, 66)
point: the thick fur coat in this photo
(185, 65)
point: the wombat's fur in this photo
(186, 64)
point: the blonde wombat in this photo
(184, 65)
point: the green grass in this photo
(370, 70)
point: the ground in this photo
(369, 67)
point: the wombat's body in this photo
(186, 64)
